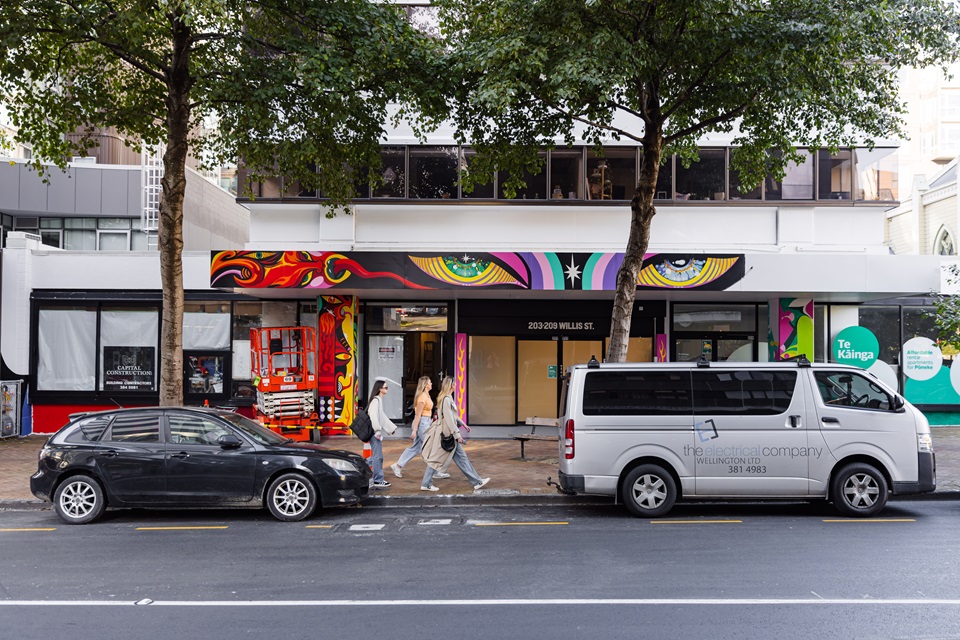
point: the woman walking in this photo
(433, 453)
(422, 412)
(381, 424)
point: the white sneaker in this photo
(441, 475)
(480, 485)
(430, 488)
(396, 471)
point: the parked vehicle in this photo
(653, 433)
(189, 457)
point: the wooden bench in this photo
(535, 422)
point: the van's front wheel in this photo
(649, 491)
(859, 490)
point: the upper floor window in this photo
(944, 245)
(950, 104)
(877, 174)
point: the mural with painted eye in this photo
(684, 272)
(465, 271)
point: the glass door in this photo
(385, 362)
(714, 347)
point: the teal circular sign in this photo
(856, 346)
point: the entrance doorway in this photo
(540, 364)
(401, 359)
(715, 347)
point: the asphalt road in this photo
(731, 571)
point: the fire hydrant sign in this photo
(922, 359)
(856, 346)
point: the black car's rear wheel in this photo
(291, 497)
(79, 500)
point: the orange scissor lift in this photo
(283, 362)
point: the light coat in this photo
(445, 424)
(379, 418)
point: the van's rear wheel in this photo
(649, 491)
(859, 490)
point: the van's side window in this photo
(637, 393)
(845, 389)
(743, 393)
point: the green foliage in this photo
(288, 85)
(946, 314)
(775, 74)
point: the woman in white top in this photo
(381, 424)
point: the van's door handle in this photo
(795, 422)
(829, 420)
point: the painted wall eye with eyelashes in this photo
(683, 272)
(466, 272)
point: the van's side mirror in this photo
(897, 403)
(229, 441)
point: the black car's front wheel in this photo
(79, 500)
(291, 497)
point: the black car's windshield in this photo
(253, 429)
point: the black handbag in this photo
(448, 443)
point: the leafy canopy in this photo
(287, 85)
(775, 73)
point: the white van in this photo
(652, 433)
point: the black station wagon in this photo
(175, 457)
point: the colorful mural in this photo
(337, 337)
(534, 271)
(460, 373)
(794, 324)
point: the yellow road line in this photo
(32, 529)
(178, 528)
(319, 526)
(874, 520)
(696, 521)
(515, 524)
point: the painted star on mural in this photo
(573, 272)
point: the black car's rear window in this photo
(135, 427)
(87, 430)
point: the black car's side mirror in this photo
(229, 441)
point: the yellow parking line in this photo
(515, 524)
(696, 521)
(319, 526)
(178, 528)
(32, 529)
(874, 520)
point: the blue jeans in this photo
(414, 449)
(376, 459)
(460, 457)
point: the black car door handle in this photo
(183, 455)
(110, 453)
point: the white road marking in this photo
(366, 527)
(737, 602)
(436, 521)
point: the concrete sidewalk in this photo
(512, 479)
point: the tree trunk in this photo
(171, 215)
(641, 217)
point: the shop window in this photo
(612, 175)
(492, 386)
(433, 172)
(128, 349)
(714, 318)
(206, 325)
(884, 322)
(797, 183)
(391, 318)
(834, 174)
(203, 374)
(877, 175)
(66, 340)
